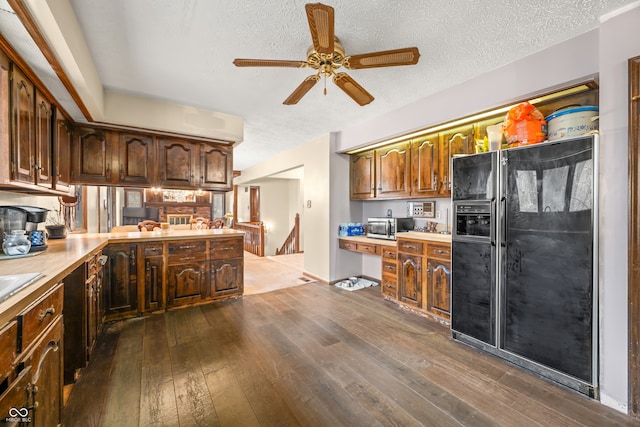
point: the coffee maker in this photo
(24, 218)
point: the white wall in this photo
(619, 41)
(315, 157)
(278, 201)
(604, 51)
(16, 199)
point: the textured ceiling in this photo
(182, 51)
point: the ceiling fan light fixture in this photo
(326, 55)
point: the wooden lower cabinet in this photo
(186, 283)
(45, 388)
(389, 282)
(153, 283)
(439, 293)
(31, 391)
(424, 276)
(410, 286)
(157, 275)
(121, 280)
(226, 277)
(439, 280)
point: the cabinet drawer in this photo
(367, 248)
(92, 265)
(186, 258)
(35, 318)
(152, 249)
(389, 267)
(8, 344)
(187, 247)
(363, 247)
(389, 253)
(389, 286)
(350, 246)
(439, 251)
(411, 247)
(226, 248)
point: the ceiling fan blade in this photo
(321, 25)
(268, 63)
(386, 58)
(302, 90)
(352, 88)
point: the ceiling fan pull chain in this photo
(325, 85)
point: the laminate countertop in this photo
(62, 256)
(419, 235)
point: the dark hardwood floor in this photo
(311, 355)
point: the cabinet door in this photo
(392, 171)
(43, 141)
(46, 363)
(120, 284)
(410, 279)
(62, 154)
(216, 168)
(135, 158)
(458, 141)
(439, 280)
(424, 166)
(362, 176)
(91, 156)
(226, 277)
(91, 315)
(186, 283)
(22, 146)
(177, 163)
(153, 274)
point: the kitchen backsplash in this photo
(399, 209)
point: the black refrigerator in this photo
(524, 257)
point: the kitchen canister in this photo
(16, 243)
(572, 121)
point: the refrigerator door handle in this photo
(503, 222)
(493, 222)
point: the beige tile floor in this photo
(265, 274)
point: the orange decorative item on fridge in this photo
(524, 125)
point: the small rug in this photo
(354, 285)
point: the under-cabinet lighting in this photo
(474, 118)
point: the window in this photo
(179, 219)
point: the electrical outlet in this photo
(438, 214)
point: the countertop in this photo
(420, 235)
(434, 237)
(65, 255)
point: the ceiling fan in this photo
(327, 55)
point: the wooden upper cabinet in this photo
(454, 142)
(22, 129)
(393, 169)
(136, 158)
(177, 163)
(424, 166)
(62, 154)
(92, 156)
(216, 167)
(362, 175)
(43, 141)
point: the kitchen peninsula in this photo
(143, 272)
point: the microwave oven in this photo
(386, 228)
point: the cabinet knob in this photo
(48, 312)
